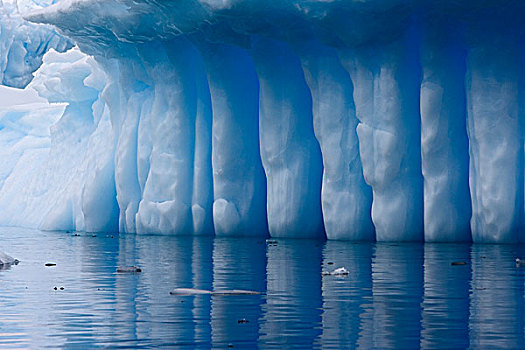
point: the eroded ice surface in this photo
(361, 120)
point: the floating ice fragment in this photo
(337, 272)
(520, 263)
(194, 291)
(189, 291)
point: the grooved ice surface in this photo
(496, 157)
(290, 154)
(360, 120)
(22, 46)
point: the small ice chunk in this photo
(189, 291)
(341, 271)
(235, 292)
(194, 291)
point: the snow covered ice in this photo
(389, 120)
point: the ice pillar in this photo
(167, 193)
(496, 175)
(444, 142)
(238, 179)
(202, 199)
(289, 151)
(386, 95)
(126, 117)
(346, 198)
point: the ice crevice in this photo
(389, 121)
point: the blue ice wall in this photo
(380, 120)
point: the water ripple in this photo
(395, 295)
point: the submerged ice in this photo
(359, 120)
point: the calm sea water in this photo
(403, 296)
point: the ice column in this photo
(346, 198)
(167, 194)
(496, 176)
(290, 153)
(386, 94)
(126, 117)
(238, 179)
(444, 142)
(202, 199)
(99, 198)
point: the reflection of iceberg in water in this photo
(202, 268)
(292, 314)
(347, 316)
(97, 268)
(395, 296)
(237, 264)
(446, 296)
(166, 262)
(169, 261)
(65, 315)
(397, 273)
(126, 290)
(496, 300)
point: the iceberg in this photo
(23, 46)
(382, 120)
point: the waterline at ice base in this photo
(387, 120)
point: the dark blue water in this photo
(403, 296)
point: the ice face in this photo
(495, 134)
(289, 150)
(444, 142)
(385, 94)
(166, 198)
(343, 189)
(50, 147)
(22, 46)
(388, 120)
(239, 185)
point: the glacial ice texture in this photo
(388, 120)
